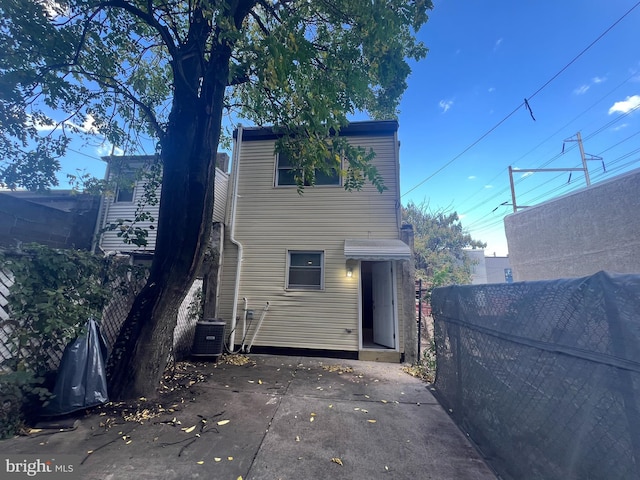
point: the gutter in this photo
(232, 235)
(101, 219)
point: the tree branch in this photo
(117, 87)
(149, 19)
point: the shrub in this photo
(53, 295)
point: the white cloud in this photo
(581, 90)
(526, 174)
(488, 186)
(107, 148)
(471, 177)
(445, 105)
(491, 89)
(620, 127)
(49, 124)
(52, 8)
(88, 126)
(497, 44)
(626, 105)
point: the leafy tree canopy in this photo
(112, 67)
(439, 243)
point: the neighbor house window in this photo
(286, 174)
(125, 187)
(124, 194)
(305, 270)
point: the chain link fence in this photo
(113, 316)
(545, 376)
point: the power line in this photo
(479, 225)
(482, 224)
(549, 138)
(601, 129)
(524, 102)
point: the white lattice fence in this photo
(6, 280)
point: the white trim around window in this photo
(305, 270)
(285, 175)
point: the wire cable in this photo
(523, 103)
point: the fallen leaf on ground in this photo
(217, 459)
(223, 422)
(372, 421)
(189, 430)
(200, 462)
(338, 461)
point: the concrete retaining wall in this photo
(578, 234)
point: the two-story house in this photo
(323, 271)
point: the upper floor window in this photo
(124, 194)
(125, 188)
(286, 174)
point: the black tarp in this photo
(544, 376)
(81, 381)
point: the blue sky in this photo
(484, 59)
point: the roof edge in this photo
(368, 128)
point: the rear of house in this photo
(322, 271)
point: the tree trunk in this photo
(188, 153)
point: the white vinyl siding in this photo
(109, 240)
(114, 210)
(272, 221)
(220, 196)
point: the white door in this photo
(382, 296)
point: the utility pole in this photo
(584, 156)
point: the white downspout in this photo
(102, 216)
(232, 237)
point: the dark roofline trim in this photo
(372, 128)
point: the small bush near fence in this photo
(49, 295)
(46, 297)
(545, 376)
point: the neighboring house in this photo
(329, 264)
(128, 197)
(489, 269)
(57, 218)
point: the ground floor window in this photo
(305, 270)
